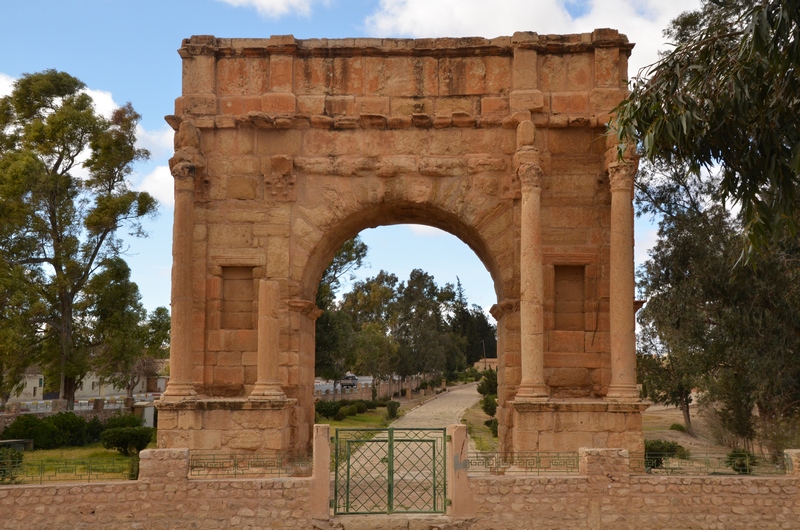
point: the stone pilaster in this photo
(622, 285)
(532, 386)
(180, 384)
(269, 332)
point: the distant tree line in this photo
(386, 327)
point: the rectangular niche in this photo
(238, 295)
(568, 297)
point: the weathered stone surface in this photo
(285, 148)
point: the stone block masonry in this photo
(286, 148)
(605, 495)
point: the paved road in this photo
(445, 410)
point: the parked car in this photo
(349, 381)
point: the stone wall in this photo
(603, 496)
(606, 495)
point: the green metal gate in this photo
(389, 471)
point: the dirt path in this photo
(445, 410)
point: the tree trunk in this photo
(687, 419)
(70, 386)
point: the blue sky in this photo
(126, 51)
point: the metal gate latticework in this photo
(389, 471)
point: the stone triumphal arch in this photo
(285, 148)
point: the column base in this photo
(179, 392)
(267, 392)
(623, 393)
(532, 393)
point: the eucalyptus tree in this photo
(64, 176)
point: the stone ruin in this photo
(285, 148)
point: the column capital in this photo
(621, 176)
(305, 307)
(530, 176)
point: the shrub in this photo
(72, 429)
(370, 404)
(492, 424)
(488, 384)
(677, 427)
(340, 415)
(10, 465)
(361, 407)
(94, 428)
(127, 440)
(489, 404)
(396, 394)
(655, 451)
(423, 385)
(27, 426)
(327, 408)
(383, 400)
(391, 409)
(741, 461)
(350, 410)
(123, 420)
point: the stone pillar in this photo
(531, 303)
(321, 476)
(180, 384)
(269, 334)
(622, 285)
(457, 469)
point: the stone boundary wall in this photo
(604, 496)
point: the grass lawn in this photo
(372, 419)
(481, 434)
(95, 450)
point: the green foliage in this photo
(391, 409)
(93, 430)
(57, 228)
(72, 429)
(677, 427)
(123, 420)
(489, 404)
(742, 462)
(10, 464)
(328, 409)
(127, 440)
(488, 383)
(655, 451)
(361, 407)
(27, 426)
(340, 415)
(493, 425)
(728, 95)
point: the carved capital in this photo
(530, 175)
(621, 176)
(503, 308)
(305, 307)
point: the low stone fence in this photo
(603, 494)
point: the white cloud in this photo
(6, 84)
(641, 20)
(277, 8)
(159, 184)
(426, 231)
(158, 142)
(103, 102)
(645, 240)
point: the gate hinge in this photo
(448, 438)
(448, 502)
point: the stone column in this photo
(181, 385)
(269, 334)
(531, 300)
(622, 285)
